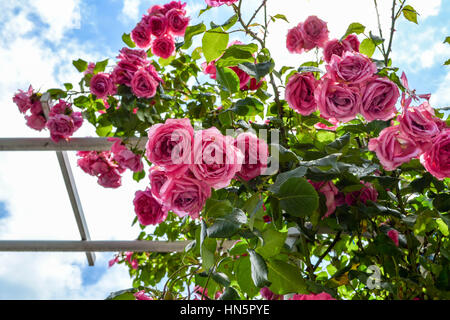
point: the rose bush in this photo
(286, 180)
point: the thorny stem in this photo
(335, 241)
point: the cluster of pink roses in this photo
(188, 164)
(109, 166)
(218, 3)
(247, 83)
(419, 134)
(161, 22)
(349, 87)
(62, 121)
(30, 101)
(133, 70)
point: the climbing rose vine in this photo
(327, 180)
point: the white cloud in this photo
(441, 98)
(130, 9)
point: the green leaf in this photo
(68, 86)
(339, 144)
(104, 131)
(259, 70)
(138, 176)
(244, 276)
(281, 17)
(122, 295)
(207, 248)
(298, 197)
(283, 177)
(81, 65)
(227, 226)
(235, 55)
(354, 28)
(273, 243)
(57, 93)
(259, 270)
(306, 69)
(221, 278)
(214, 43)
(410, 13)
(447, 40)
(442, 227)
(230, 294)
(248, 107)
(446, 63)
(367, 47)
(230, 22)
(192, 31)
(285, 278)
(228, 79)
(101, 66)
(126, 38)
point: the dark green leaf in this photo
(230, 294)
(298, 197)
(442, 202)
(244, 279)
(221, 278)
(228, 79)
(248, 107)
(285, 278)
(259, 270)
(227, 226)
(259, 70)
(235, 55)
(339, 144)
(283, 177)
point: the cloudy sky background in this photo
(38, 41)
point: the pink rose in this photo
(256, 153)
(148, 210)
(36, 122)
(158, 178)
(157, 24)
(185, 196)
(90, 68)
(218, 3)
(420, 124)
(61, 127)
(36, 108)
(253, 85)
(216, 160)
(136, 57)
(94, 163)
(170, 146)
(329, 190)
(368, 192)
(267, 294)
(244, 78)
(210, 69)
(112, 262)
(294, 40)
(352, 68)
(393, 234)
(175, 5)
(177, 21)
(333, 47)
(379, 96)
(393, 148)
(112, 179)
(141, 296)
(102, 85)
(352, 42)
(23, 99)
(320, 296)
(141, 35)
(322, 126)
(338, 101)
(126, 158)
(300, 93)
(163, 47)
(77, 118)
(124, 72)
(315, 32)
(133, 262)
(144, 84)
(436, 159)
(157, 10)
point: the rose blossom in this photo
(333, 47)
(185, 196)
(177, 21)
(112, 179)
(141, 296)
(352, 42)
(393, 148)
(218, 3)
(329, 190)
(368, 192)
(163, 46)
(141, 35)
(158, 178)
(157, 24)
(253, 85)
(61, 127)
(36, 122)
(267, 294)
(352, 67)
(170, 146)
(295, 41)
(124, 157)
(420, 124)
(148, 210)
(94, 163)
(300, 93)
(23, 99)
(379, 96)
(315, 32)
(393, 234)
(216, 160)
(175, 5)
(244, 78)
(256, 153)
(437, 159)
(124, 72)
(102, 85)
(210, 68)
(128, 258)
(137, 57)
(312, 296)
(337, 101)
(144, 84)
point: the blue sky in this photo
(38, 41)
